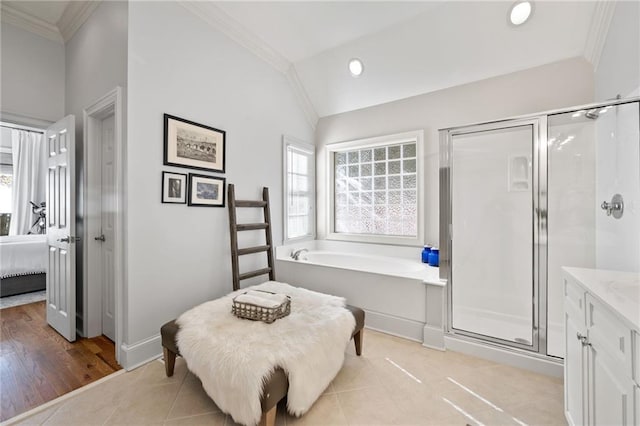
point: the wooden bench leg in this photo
(269, 418)
(357, 339)
(169, 361)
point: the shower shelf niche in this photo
(519, 172)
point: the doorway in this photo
(103, 230)
(494, 182)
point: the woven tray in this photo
(260, 313)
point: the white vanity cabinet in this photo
(602, 377)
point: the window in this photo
(375, 189)
(299, 189)
(6, 182)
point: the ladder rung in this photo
(254, 273)
(251, 226)
(250, 203)
(250, 250)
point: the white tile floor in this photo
(395, 382)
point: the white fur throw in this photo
(233, 356)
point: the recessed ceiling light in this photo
(520, 12)
(356, 67)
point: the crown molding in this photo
(302, 97)
(221, 21)
(30, 23)
(598, 30)
(75, 14)
(21, 119)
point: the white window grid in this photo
(376, 190)
(299, 202)
(394, 234)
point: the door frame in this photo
(539, 208)
(540, 217)
(110, 103)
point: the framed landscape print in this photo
(206, 191)
(174, 188)
(193, 145)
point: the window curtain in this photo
(29, 169)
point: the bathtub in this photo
(366, 263)
(400, 294)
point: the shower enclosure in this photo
(523, 197)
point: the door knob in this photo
(100, 238)
(69, 239)
(583, 339)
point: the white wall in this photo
(618, 71)
(555, 85)
(96, 62)
(32, 75)
(179, 256)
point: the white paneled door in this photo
(61, 226)
(108, 227)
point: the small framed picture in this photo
(206, 191)
(174, 188)
(193, 145)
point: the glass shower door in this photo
(493, 181)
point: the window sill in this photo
(376, 239)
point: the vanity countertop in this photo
(618, 290)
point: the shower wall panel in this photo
(618, 172)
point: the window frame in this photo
(416, 136)
(309, 149)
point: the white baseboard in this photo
(538, 364)
(139, 353)
(401, 327)
(433, 338)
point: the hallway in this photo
(37, 365)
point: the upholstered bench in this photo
(276, 387)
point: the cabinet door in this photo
(574, 372)
(610, 392)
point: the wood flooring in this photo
(38, 365)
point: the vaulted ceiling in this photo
(408, 48)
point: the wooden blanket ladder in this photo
(234, 227)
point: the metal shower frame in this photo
(539, 122)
